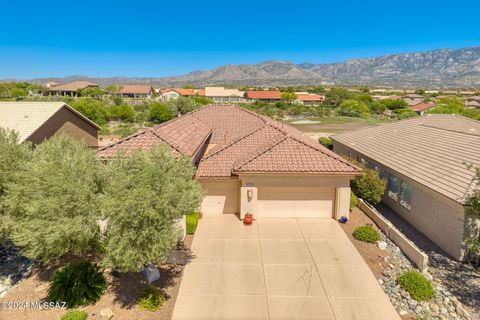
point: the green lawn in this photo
(333, 124)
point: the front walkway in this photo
(277, 269)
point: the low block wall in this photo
(408, 247)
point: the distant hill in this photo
(439, 68)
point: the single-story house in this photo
(473, 102)
(37, 121)
(263, 95)
(174, 93)
(248, 163)
(413, 99)
(70, 89)
(421, 107)
(220, 94)
(426, 163)
(309, 99)
(135, 91)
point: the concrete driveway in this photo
(278, 269)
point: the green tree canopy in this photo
(55, 205)
(122, 112)
(288, 96)
(13, 158)
(335, 96)
(393, 104)
(160, 112)
(183, 105)
(91, 92)
(144, 194)
(354, 108)
(93, 109)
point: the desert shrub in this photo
(419, 287)
(354, 108)
(353, 200)
(405, 113)
(366, 233)
(369, 186)
(160, 112)
(192, 221)
(77, 284)
(75, 315)
(121, 112)
(326, 142)
(151, 298)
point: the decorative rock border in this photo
(13, 267)
(444, 306)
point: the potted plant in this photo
(248, 219)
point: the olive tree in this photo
(145, 193)
(53, 207)
(13, 157)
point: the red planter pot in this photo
(248, 219)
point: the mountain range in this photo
(440, 68)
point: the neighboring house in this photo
(386, 97)
(174, 93)
(421, 107)
(413, 99)
(248, 163)
(425, 162)
(263, 95)
(309, 99)
(473, 102)
(37, 121)
(70, 89)
(220, 94)
(135, 92)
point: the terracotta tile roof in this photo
(309, 97)
(131, 89)
(184, 134)
(422, 106)
(264, 95)
(73, 86)
(433, 150)
(243, 142)
(201, 92)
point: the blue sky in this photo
(153, 38)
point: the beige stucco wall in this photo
(439, 218)
(222, 196)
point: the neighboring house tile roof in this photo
(241, 141)
(263, 94)
(433, 150)
(73, 86)
(422, 106)
(135, 89)
(309, 97)
(27, 117)
(184, 135)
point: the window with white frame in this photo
(393, 187)
(406, 195)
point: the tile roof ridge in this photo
(232, 143)
(159, 137)
(325, 151)
(136, 134)
(237, 164)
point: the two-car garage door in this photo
(272, 201)
(295, 202)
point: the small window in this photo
(393, 187)
(381, 173)
(406, 196)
